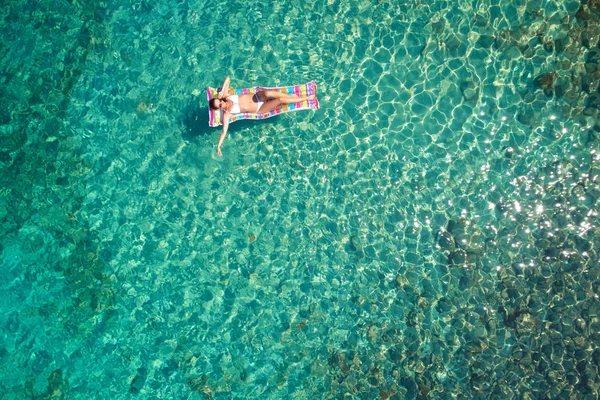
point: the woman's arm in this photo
(226, 117)
(225, 89)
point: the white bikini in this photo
(235, 99)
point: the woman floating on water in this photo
(260, 102)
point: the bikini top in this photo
(236, 104)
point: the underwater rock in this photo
(170, 368)
(397, 354)
(592, 58)
(545, 82)
(40, 361)
(444, 306)
(453, 42)
(356, 246)
(509, 152)
(438, 26)
(548, 46)
(589, 39)
(469, 90)
(589, 83)
(199, 384)
(458, 257)
(445, 240)
(56, 385)
(5, 157)
(486, 41)
(392, 335)
(560, 44)
(464, 238)
(481, 20)
(526, 117)
(583, 13)
(456, 227)
(593, 100)
(513, 318)
(143, 107)
(470, 94)
(138, 382)
(578, 190)
(561, 87)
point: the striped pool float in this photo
(216, 116)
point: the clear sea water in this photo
(430, 232)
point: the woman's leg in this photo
(268, 106)
(272, 99)
(284, 98)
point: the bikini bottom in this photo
(256, 99)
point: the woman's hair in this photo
(211, 103)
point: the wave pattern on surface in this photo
(430, 232)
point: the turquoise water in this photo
(430, 232)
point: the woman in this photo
(260, 102)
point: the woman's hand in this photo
(219, 151)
